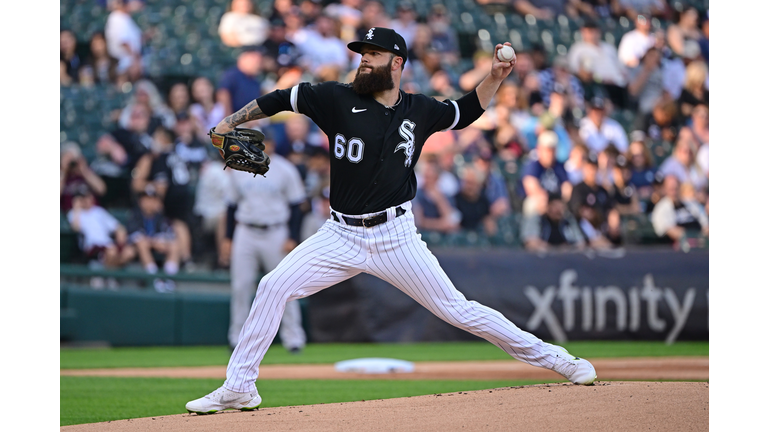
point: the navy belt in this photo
(370, 221)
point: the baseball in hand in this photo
(506, 53)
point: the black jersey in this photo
(374, 148)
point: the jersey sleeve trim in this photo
(295, 98)
(456, 118)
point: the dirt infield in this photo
(606, 406)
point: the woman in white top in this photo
(242, 25)
(206, 111)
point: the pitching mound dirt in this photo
(606, 406)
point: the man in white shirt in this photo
(599, 57)
(636, 42)
(320, 47)
(598, 130)
(123, 36)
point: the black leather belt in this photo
(262, 227)
(370, 221)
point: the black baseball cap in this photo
(385, 38)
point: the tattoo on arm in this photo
(246, 114)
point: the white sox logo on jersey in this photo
(406, 131)
(369, 35)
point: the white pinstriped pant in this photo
(392, 251)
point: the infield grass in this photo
(79, 358)
(99, 399)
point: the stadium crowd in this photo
(549, 155)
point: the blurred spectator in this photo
(374, 15)
(662, 124)
(473, 204)
(168, 175)
(523, 67)
(445, 39)
(601, 9)
(704, 40)
(68, 53)
(494, 187)
(279, 52)
(695, 91)
(675, 217)
(318, 173)
(684, 29)
(319, 213)
(147, 95)
(611, 176)
(322, 46)
(282, 8)
(481, 64)
(310, 10)
(699, 125)
(423, 68)
(441, 86)
(120, 149)
(682, 163)
(205, 109)
(433, 210)
(646, 81)
(211, 205)
(594, 209)
(599, 62)
(559, 74)
(543, 176)
(506, 118)
(635, 43)
(554, 228)
(103, 238)
(548, 121)
(178, 99)
(348, 15)
(574, 166)
(189, 147)
(405, 21)
(597, 130)
(242, 25)
(76, 174)
(103, 64)
(241, 83)
(642, 172)
(545, 9)
(632, 8)
(296, 136)
(150, 233)
(124, 39)
(64, 78)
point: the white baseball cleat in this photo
(576, 370)
(223, 399)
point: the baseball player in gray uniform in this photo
(266, 220)
(376, 134)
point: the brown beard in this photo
(377, 80)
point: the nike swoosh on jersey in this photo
(355, 110)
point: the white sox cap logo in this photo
(369, 35)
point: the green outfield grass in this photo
(97, 399)
(80, 358)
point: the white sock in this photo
(151, 268)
